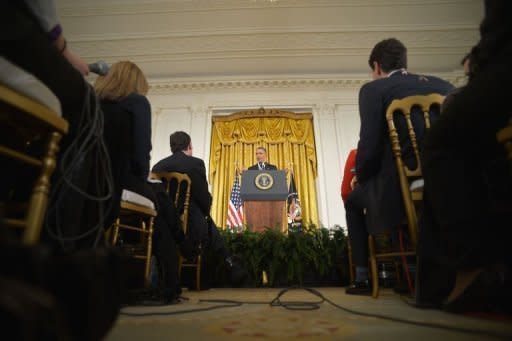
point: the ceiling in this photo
(211, 39)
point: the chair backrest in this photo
(29, 134)
(405, 107)
(178, 185)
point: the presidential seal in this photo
(264, 181)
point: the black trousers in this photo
(356, 225)
(167, 233)
(202, 230)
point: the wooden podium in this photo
(264, 194)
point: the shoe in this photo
(362, 288)
(236, 272)
(486, 293)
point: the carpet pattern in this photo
(260, 321)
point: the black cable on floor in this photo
(227, 304)
(304, 305)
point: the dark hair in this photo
(390, 54)
(179, 141)
(495, 34)
(262, 148)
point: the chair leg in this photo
(39, 198)
(115, 232)
(350, 263)
(180, 265)
(148, 253)
(198, 273)
(373, 265)
(397, 273)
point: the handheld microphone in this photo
(100, 68)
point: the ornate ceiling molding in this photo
(304, 43)
(163, 87)
(72, 8)
(261, 112)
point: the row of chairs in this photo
(411, 182)
(25, 123)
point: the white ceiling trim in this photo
(169, 86)
(70, 8)
(272, 30)
(298, 43)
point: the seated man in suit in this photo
(378, 190)
(202, 229)
(262, 164)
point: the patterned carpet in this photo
(260, 321)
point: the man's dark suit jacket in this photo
(375, 167)
(268, 166)
(196, 170)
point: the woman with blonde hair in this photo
(127, 133)
(127, 128)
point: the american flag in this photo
(235, 210)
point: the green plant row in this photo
(314, 256)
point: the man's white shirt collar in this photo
(403, 71)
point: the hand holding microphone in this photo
(100, 68)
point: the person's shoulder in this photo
(434, 81)
(197, 161)
(376, 86)
(135, 97)
(136, 100)
(161, 165)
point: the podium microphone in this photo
(100, 68)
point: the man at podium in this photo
(261, 156)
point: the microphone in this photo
(100, 68)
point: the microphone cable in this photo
(87, 146)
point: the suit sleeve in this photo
(370, 146)
(142, 136)
(200, 191)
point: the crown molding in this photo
(72, 8)
(266, 45)
(172, 86)
(271, 30)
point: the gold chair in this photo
(144, 215)
(412, 195)
(27, 123)
(182, 202)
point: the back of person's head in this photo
(123, 79)
(179, 141)
(495, 34)
(390, 54)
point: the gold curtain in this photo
(289, 140)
